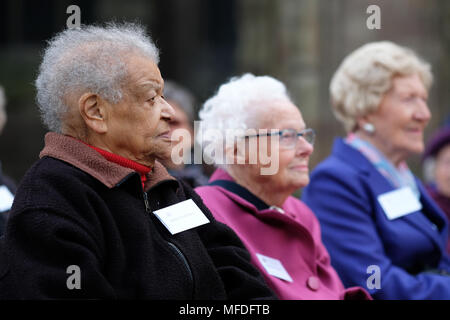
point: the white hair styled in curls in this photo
(88, 59)
(236, 105)
(365, 75)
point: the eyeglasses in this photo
(289, 137)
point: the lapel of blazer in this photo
(379, 185)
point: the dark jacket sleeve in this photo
(241, 279)
(49, 252)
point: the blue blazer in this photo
(409, 251)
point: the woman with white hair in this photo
(97, 216)
(262, 147)
(381, 228)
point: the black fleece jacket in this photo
(64, 216)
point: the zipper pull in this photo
(147, 206)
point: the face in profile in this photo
(442, 171)
(138, 126)
(182, 137)
(401, 118)
(292, 155)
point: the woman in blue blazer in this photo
(382, 230)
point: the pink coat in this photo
(292, 237)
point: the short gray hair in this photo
(90, 58)
(365, 75)
(2, 109)
(236, 105)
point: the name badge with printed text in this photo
(274, 267)
(399, 203)
(182, 216)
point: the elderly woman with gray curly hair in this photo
(382, 229)
(97, 216)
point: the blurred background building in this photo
(205, 42)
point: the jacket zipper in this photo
(147, 206)
(175, 249)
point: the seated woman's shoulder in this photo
(333, 167)
(49, 177)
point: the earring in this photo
(369, 128)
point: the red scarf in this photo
(124, 162)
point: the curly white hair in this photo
(90, 58)
(235, 107)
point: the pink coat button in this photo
(313, 283)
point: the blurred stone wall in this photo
(302, 42)
(204, 42)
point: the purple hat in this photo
(439, 139)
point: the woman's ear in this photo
(240, 153)
(93, 110)
(365, 124)
(236, 154)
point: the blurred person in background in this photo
(382, 229)
(183, 103)
(281, 233)
(436, 162)
(7, 186)
(84, 221)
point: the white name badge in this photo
(274, 267)
(399, 203)
(6, 198)
(182, 216)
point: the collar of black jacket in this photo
(241, 191)
(81, 156)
